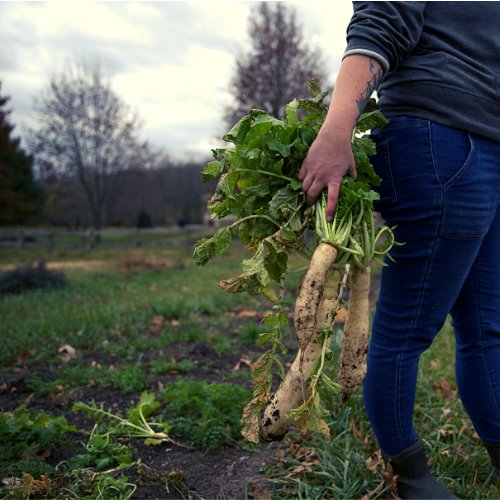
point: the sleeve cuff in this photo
(370, 53)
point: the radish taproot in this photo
(293, 390)
(352, 369)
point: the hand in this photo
(325, 165)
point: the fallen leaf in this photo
(445, 412)
(435, 364)
(25, 355)
(359, 433)
(242, 362)
(66, 353)
(443, 387)
(259, 492)
(374, 461)
(247, 313)
(464, 427)
(34, 487)
(157, 325)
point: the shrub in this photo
(29, 277)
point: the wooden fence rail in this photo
(51, 239)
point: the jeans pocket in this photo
(386, 190)
(466, 205)
(452, 151)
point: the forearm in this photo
(330, 157)
(358, 78)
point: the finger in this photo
(303, 170)
(332, 199)
(307, 182)
(314, 191)
(302, 173)
(351, 171)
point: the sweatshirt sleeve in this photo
(386, 31)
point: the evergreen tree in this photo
(20, 196)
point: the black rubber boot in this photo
(414, 479)
(494, 453)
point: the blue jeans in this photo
(441, 188)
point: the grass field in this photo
(148, 322)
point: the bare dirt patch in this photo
(57, 265)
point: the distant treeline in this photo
(171, 194)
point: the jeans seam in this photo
(491, 378)
(410, 333)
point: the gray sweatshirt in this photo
(441, 60)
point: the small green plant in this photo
(88, 484)
(165, 366)
(26, 438)
(111, 488)
(134, 424)
(249, 332)
(102, 454)
(207, 415)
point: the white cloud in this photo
(170, 61)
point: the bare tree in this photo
(278, 65)
(86, 132)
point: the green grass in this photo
(111, 313)
(99, 302)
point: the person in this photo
(436, 69)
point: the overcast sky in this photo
(170, 61)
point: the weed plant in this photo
(206, 415)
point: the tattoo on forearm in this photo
(371, 85)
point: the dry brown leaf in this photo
(445, 412)
(66, 353)
(359, 433)
(435, 364)
(247, 313)
(258, 491)
(25, 355)
(374, 461)
(157, 324)
(242, 362)
(443, 387)
(464, 427)
(34, 487)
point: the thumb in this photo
(351, 171)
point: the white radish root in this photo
(352, 369)
(313, 310)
